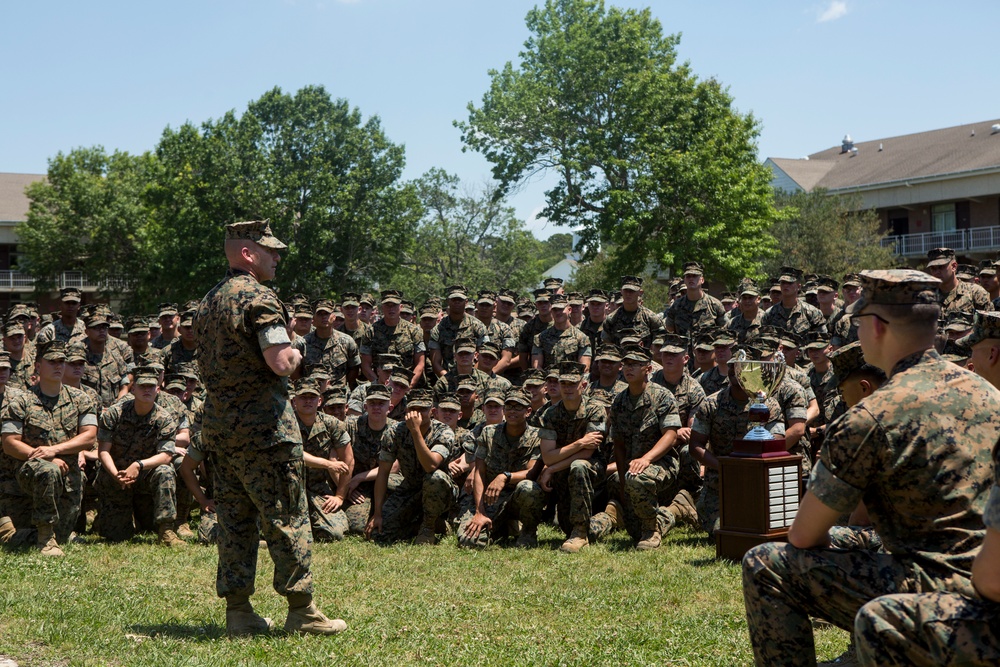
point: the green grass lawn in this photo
(142, 604)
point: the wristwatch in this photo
(507, 475)
(141, 466)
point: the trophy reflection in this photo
(759, 379)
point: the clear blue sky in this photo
(117, 73)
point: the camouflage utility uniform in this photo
(326, 435)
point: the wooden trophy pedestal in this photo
(760, 485)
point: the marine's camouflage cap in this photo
(574, 299)
(987, 267)
(167, 310)
(322, 305)
(367, 299)
(51, 350)
(465, 344)
(458, 292)
(430, 311)
(558, 300)
(939, 257)
(306, 386)
(379, 392)
(450, 401)
(350, 299)
(959, 321)
(789, 339)
(490, 347)
(728, 297)
(816, 340)
(629, 336)
(388, 360)
(486, 296)
(317, 372)
(966, 271)
(258, 231)
(187, 318)
(466, 382)
(631, 282)
(172, 381)
(748, 286)
(723, 337)
(187, 369)
(146, 375)
(693, 268)
(553, 283)
(541, 295)
(19, 311)
(634, 352)
(674, 343)
(851, 280)
(421, 398)
(705, 341)
(97, 318)
(70, 294)
(494, 395)
(986, 325)
(533, 376)
(76, 352)
(4, 359)
(510, 296)
(401, 375)
(552, 373)
(597, 295)
(391, 296)
(827, 284)
(335, 395)
(955, 352)
(571, 371)
(608, 352)
(846, 360)
(406, 306)
(517, 395)
(895, 287)
(789, 274)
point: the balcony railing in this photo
(15, 281)
(977, 239)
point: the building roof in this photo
(951, 151)
(13, 201)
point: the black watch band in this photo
(507, 475)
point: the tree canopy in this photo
(651, 162)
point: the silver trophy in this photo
(759, 379)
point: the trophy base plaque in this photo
(765, 449)
(758, 497)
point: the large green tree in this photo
(88, 215)
(828, 234)
(651, 161)
(471, 237)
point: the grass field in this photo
(142, 604)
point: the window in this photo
(943, 218)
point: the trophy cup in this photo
(759, 379)
(759, 482)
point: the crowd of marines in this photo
(488, 414)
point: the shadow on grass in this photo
(193, 632)
(693, 541)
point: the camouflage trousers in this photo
(185, 500)
(708, 509)
(689, 475)
(266, 485)
(208, 528)
(574, 490)
(928, 630)
(523, 503)
(54, 497)
(326, 525)
(783, 586)
(405, 509)
(358, 514)
(641, 503)
(153, 494)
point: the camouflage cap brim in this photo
(985, 326)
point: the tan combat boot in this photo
(6, 529)
(576, 541)
(650, 538)
(426, 534)
(47, 541)
(184, 531)
(242, 620)
(528, 539)
(683, 509)
(615, 511)
(306, 619)
(168, 537)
